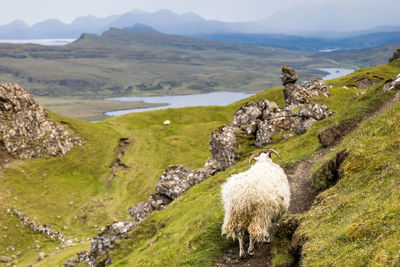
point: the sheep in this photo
(167, 123)
(254, 200)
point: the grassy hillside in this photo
(187, 232)
(71, 195)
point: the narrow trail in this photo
(302, 194)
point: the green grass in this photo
(187, 232)
(356, 222)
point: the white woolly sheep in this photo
(254, 200)
(167, 123)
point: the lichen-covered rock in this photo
(222, 146)
(296, 95)
(25, 128)
(176, 180)
(288, 76)
(98, 255)
(395, 56)
(283, 119)
(315, 111)
(71, 262)
(246, 114)
(264, 133)
(318, 85)
(140, 211)
(392, 84)
(304, 126)
(159, 201)
(268, 108)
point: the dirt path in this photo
(302, 194)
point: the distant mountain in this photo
(314, 21)
(16, 25)
(308, 43)
(141, 28)
(255, 33)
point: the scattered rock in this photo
(140, 211)
(315, 111)
(26, 129)
(178, 179)
(41, 256)
(98, 254)
(71, 262)
(159, 201)
(396, 55)
(264, 133)
(5, 259)
(318, 85)
(222, 146)
(43, 229)
(304, 126)
(247, 116)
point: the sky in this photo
(33, 11)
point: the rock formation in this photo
(222, 147)
(178, 179)
(98, 255)
(396, 55)
(26, 130)
(392, 84)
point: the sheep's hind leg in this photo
(240, 236)
(250, 251)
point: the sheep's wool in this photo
(254, 199)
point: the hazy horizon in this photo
(356, 15)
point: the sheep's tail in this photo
(229, 228)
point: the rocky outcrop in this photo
(315, 111)
(140, 211)
(317, 85)
(98, 255)
(26, 130)
(222, 147)
(392, 84)
(395, 56)
(288, 76)
(178, 179)
(296, 95)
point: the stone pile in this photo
(26, 130)
(44, 229)
(98, 255)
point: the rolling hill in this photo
(125, 63)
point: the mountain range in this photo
(273, 31)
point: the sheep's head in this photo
(268, 152)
